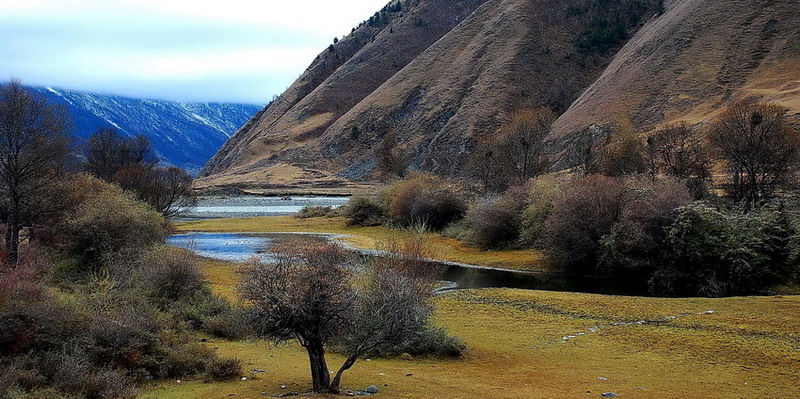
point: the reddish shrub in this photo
(583, 213)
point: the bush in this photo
(364, 211)
(423, 199)
(171, 274)
(543, 192)
(714, 253)
(110, 221)
(585, 211)
(313, 212)
(633, 247)
(495, 222)
(222, 370)
(437, 342)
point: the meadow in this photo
(535, 344)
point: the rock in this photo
(608, 395)
(283, 386)
(372, 389)
(406, 356)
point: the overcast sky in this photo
(199, 50)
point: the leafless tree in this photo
(484, 166)
(759, 148)
(34, 149)
(392, 160)
(310, 293)
(131, 163)
(107, 152)
(515, 153)
(678, 150)
(521, 143)
(167, 189)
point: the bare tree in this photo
(678, 150)
(34, 149)
(515, 153)
(107, 152)
(521, 143)
(484, 166)
(167, 189)
(311, 294)
(391, 158)
(132, 164)
(759, 147)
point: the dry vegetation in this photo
(746, 348)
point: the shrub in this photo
(313, 212)
(714, 253)
(625, 152)
(437, 342)
(543, 192)
(364, 211)
(584, 212)
(633, 246)
(222, 369)
(495, 222)
(171, 274)
(110, 221)
(423, 199)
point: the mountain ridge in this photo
(588, 60)
(183, 134)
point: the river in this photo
(240, 247)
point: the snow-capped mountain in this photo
(183, 134)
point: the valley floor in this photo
(541, 344)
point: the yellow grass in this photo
(366, 238)
(746, 348)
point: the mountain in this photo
(691, 62)
(183, 134)
(442, 79)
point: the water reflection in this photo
(240, 247)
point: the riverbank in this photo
(367, 238)
(631, 346)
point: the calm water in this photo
(247, 206)
(239, 247)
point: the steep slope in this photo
(183, 134)
(505, 55)
(691, 62)
(341, 76)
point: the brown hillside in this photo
(339, 79)
(691, 62)
(441, 74)
(505, 55)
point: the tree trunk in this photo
(320, 377)
(12, 235)
(346, 366)
(12, 245)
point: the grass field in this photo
(366, 237)
(745, 348)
